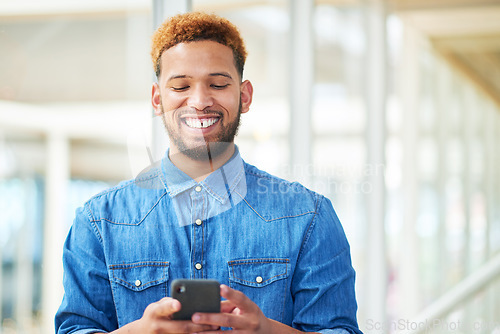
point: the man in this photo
(277, 248)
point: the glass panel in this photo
(20, 248)
(340, 44)
(59, 61)
(339, 116)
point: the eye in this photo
(219, 86)
(179, 89)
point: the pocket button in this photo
(258, 279)
(138, 283)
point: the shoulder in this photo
(277, 196)
(268, 183)
(129, 200)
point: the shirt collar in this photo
(218, 184)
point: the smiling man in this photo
(278, 248)
(200, 104)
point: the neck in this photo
(199, 169)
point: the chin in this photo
(205, 152)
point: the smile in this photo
(200, 123)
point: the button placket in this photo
(198, 209)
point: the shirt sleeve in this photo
(323, 281)
(87, 305)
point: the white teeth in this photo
(199, 124)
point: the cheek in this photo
(172, 101)
(168, 113)
(170, 117)
(231, 101)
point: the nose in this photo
(200, 98)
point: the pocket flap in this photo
(139, 275)
(258, 272)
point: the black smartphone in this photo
(195, 295)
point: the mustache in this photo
(193, 111)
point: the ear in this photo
(246, 89)
(156, 99)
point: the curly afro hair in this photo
(197, 26)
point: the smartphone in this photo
(195, 295)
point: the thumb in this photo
(165, 307)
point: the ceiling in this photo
(465, 32)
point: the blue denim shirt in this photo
(280, 244)
(220, 191)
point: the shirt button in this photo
(198, 266)
(138, 283)
(198, 189)
(198, 222)
(258, 279)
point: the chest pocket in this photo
(264, 281)
(136, 285)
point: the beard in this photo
(212, 146)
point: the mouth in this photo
(200, 122)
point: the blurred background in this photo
(389, 108)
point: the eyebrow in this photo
(178, 76)
(216, 74)
(223, 74)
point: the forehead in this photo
(200, 57)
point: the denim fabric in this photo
(281, 244)
(222, 190)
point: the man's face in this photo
(200, 97)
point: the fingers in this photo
(224, 320)
(157, 317)
(238, 299)
(227, 307)
(182, 326)
(238, 311)
(164, 308)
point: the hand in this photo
(157, 319)
(238, 312)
